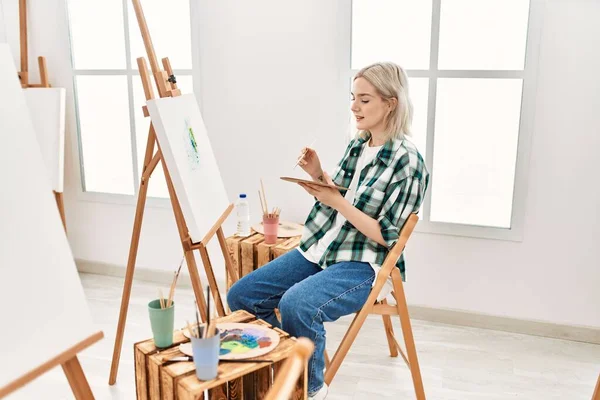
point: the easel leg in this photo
(229, 268)
(61, 208)
(596, 395)
(77, 380)
(196, 284)
(23, 74)
(133, 249)
(231, 275)
(409, 340)
(212, 282)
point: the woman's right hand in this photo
(310, 163)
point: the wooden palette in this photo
(240, 341)
(298, 180)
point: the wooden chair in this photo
(372, 306)
(288, 375)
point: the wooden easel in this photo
(596, 395)
(45, 83)
(23, 73)
(70, 365)
(167, 87)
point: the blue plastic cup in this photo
(206, 356)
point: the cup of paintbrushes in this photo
(206, 343)
(271, 227)
(162, 320)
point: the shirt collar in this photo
(387, 152)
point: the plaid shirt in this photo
(390, 188)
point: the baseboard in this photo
(529, 327)
(142, 274)
(440, 315)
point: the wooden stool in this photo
(372, 306)
(158, 378)
(251, 252)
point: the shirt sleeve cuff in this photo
(389, 231)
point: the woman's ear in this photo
(392, 103)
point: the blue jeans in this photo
(306, 296)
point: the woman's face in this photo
(368, 107)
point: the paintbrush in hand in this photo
(304, 153)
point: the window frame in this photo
(131, 72)
(526, 123)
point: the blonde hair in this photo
(390, 81)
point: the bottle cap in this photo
(242, 196)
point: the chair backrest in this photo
(288, 375)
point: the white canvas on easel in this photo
(45, 314)
(189, 157)
(47, 110)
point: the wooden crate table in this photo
(251, 252)
(249, 381)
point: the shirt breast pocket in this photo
(370, 201)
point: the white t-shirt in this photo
(316, 251)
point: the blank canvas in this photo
(190, 160)
(47, 110)
(44, 310)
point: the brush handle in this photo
(190, 329)
(210, 329)
(264, 195)
(207, 310)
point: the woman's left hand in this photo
(327, 195)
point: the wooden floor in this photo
(457, 363)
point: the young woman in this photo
(347, 235)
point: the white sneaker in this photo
(321, 394)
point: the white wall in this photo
(9, 26)
(2, 25)
(554, 274)
(271, 78)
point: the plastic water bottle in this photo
(243, 216)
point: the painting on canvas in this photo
(189, 156)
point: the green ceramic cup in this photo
(162, 321)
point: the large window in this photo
(105, 43)
(471, 66)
